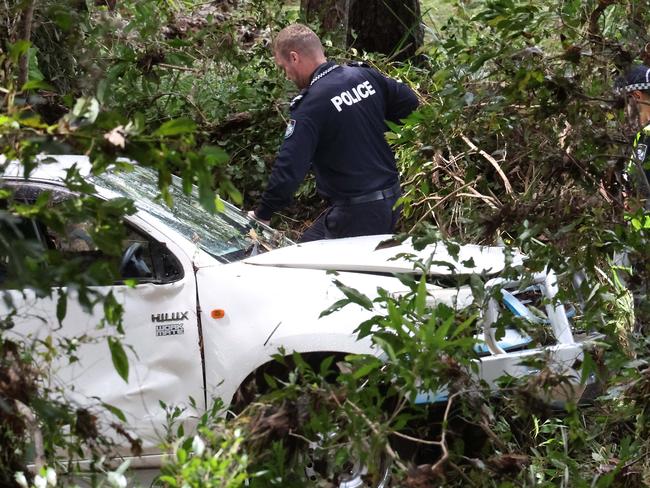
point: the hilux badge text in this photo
(165, 328)
(169, 317)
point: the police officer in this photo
(635, 86)
(337, 127)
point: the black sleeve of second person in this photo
(290, 168)
(641, 165)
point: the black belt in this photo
(369, 197)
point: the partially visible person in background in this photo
(635, 87)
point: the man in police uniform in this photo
(337, 127)
(635, 86)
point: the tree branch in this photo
(492, 161)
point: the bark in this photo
(25, 35)
(390, 27)
(331, 14)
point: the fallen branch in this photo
(492, 161)
(491, 201)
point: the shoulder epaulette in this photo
(295, 101)
(358, 64)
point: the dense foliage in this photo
(519, 141)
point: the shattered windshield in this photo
(228, 235)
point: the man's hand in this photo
(251, 214)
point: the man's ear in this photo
(636, 94)
(294, 57)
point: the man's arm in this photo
(400, 100)
(291, 166)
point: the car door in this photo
(160, 332)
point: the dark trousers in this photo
(361, 219)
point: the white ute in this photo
(201, 279)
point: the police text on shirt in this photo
(361, 91)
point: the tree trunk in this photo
(25, 35)
(390, 27)
(331, 14)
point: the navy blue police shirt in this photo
(337, 127)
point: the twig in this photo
(490, 433)
(399, 408)
(485, 198)
(491, 201)
(432, 197)
(414, 439)
(373, 427)
(176, 77)
(462, 474)
(301, 437)
(442, 200)
(443, 435)
(187, 99)
(492, 161)
(179, 68)
(452, 193)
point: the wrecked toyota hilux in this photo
(210, 301)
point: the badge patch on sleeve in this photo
(640, 152)
(290, 128)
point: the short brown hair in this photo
(299, 38)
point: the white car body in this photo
(269, 301)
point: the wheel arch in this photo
(255, 383)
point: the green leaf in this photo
(115, 411)
(588, 367)
(118, 356)
(441, 333)
(181, 455)
(214, 155)
(325, 366)
(355, 296)
(168, 480)
(218, 204)
(386, 347)
(113, 312)
(421, 296)
(366, 369)
(270, 380)
(334, 308)
(176, 127)
(37, 85)
(232, 192)
(17, 49)
(394, 314)
(61, 306)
